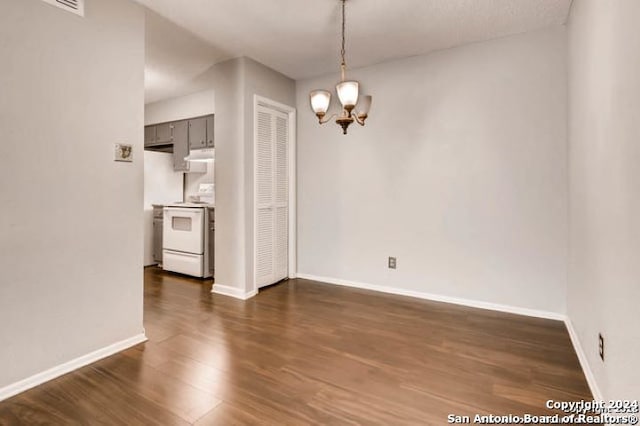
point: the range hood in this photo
(205, 154)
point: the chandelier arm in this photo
(325, 119)
(359, 120)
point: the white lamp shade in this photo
(348, 93)
(364, 105)
(320, 100)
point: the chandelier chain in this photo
(343, 50)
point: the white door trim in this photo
(291, 112)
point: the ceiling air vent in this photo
(74, 6)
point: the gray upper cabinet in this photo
(149, 135)
(210, 133)
(158, 134)
(180, 137)
(198, 133)
(164, 133)
(180, 146)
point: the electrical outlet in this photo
(392, 262)
(601, 346)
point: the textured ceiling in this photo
(300, 38)
(174, 57)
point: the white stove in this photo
(185, 242)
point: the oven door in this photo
(183, 230)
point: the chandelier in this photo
(347, 91)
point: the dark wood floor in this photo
(307, 353)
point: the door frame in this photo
(291, 113)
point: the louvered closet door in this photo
(272, 196)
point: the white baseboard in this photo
(438, 298)
(584, 363)
(67, 367)
(235, 292)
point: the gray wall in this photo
(604, 140)
(71, 246)
(460, 172)
(226, 81)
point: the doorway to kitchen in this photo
(274, 212)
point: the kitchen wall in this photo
(192, 181)
(192, 105)
(604, 140)
(460, 173)
(72, 229)
(161, 186)
(159, 166)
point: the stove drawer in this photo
(183, 263)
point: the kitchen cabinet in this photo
(149, 135)
(210, 133)
(201, 132)
(157, 240)
(179, 138)
(180, 146)
(212, 233)
(198, 133)
(157, 234)
(164, 133)
(158, 135)
(181, 133)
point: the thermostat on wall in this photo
(123, 152)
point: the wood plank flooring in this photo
(308, 353)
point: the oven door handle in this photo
(181, 213)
